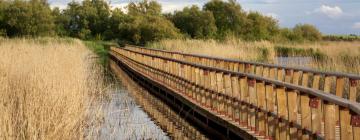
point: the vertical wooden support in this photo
(188, 83)
(236, 95)
(353, 97)
(236, 67)
(261, 103)
(353, 90)
(296, 77)
(305, 114)
(228, 93)
(327, 84)
(316, 113)
(201, 97)
(213, 85)
(266, 72)
(221, 92)
(207, 80)
(282, 113)
(241, 67)
(244, 95)
(270, 105)
(292, 99)
(194, 74)
(196, 93)
(288, 75)
(280, 74)
(305, 79)
(345, 127)
(259, 70)
(253, 102)
(330, 121)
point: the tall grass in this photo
(326, 56)
(47, 86)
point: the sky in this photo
(329, 16)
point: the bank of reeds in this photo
(46, 88)
(325, 56)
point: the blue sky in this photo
(330, 16)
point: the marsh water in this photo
(131, 112)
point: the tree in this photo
(307, 32)
(229, 17)
(194, 22)
(28, 18)
(260, 27)
(145, 23)
(3, 5)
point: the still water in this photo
(131, 112)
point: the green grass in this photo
(101, 48)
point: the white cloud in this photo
(356, 25)
(331, 12)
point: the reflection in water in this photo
(167, 119)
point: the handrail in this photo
(334, 82)
(337, 74)
(286, 94)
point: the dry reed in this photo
(339, 56)
(47, 86)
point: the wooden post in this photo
(236, 95)
(270, 105)
(353, 90)
(213, 85)
(261, 103)
(228, 93)
(282, 112)
(288, 75)
(280, 74)
(221, 92)
(253, 102)
(293, 112)
(244, 95)
(330, 121)
(345, 127)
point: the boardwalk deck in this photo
(246, 105)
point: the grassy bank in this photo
(47, 86)
(326, 56)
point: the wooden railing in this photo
(270, 108)
(340, 84)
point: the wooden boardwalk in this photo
(250, 100)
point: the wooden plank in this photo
(353, 90)
(345, 127)
(305, 114)
(253, 102)
(280, 74)
(236, 94)
(282, 112)
(213, 85)
(330, 121)
(261, 103)
(244, 95)
(221, 91)
(270, 106)
(228, 93)
(293, 112)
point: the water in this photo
(121, 118)
(294, 61)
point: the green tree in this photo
(145, 23)
(229, 17)
(28, 18)
(260, 27)
(3, 5)
(307, 32)
(194, 22)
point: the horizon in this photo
(331, 17)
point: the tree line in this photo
(144, 21)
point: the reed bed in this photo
(47, 87)
(325, 56)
